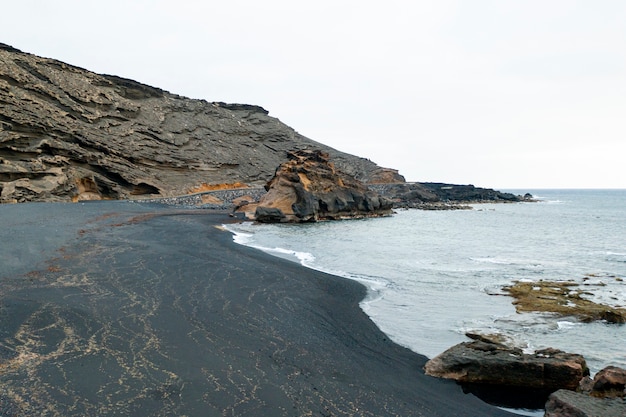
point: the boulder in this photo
(507, 376)
(610, 382)
(565, 403)
(308, 188)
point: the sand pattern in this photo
(160, 314)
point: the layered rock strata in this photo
(68, 133)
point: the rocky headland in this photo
(68, 134)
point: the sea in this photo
(433, 276)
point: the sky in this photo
(508, 94)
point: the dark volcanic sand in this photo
(119, 309)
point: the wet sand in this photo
(139, 310)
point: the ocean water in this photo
(434, 275)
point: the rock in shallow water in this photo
(498, 373)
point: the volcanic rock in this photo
(564, 298)
(610, 382)
(565, 403)
(494, 370)
(308, 187)
(68, 133)
(470, 193)
(604, 396)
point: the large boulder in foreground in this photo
(309, 188)
(499, 374)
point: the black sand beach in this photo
(122, 309)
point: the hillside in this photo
(68, 133)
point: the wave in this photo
(374, 284)
(616, 257)
(523, 263)
(247, 239)
(544, 199)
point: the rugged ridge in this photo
(68, 133)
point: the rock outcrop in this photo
(564, 298)
(308, 188)
(68, 133)
(470, 193)
(440, 196)
(507, 376)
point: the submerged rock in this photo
(564, 298)
(308, 188)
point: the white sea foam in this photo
(374, 284)
(565, 325)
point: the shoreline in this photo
(156, 311)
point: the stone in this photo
(564, 298)
(565, 403)
(308, 188)
(269, 215)
(610, 382)
(499, 373)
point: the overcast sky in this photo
(504, 94)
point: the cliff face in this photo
(68, 133)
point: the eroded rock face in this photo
(308, 187)
(495, 371)
(68, 133)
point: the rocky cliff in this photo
(68, 133)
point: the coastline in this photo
(157, 311)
